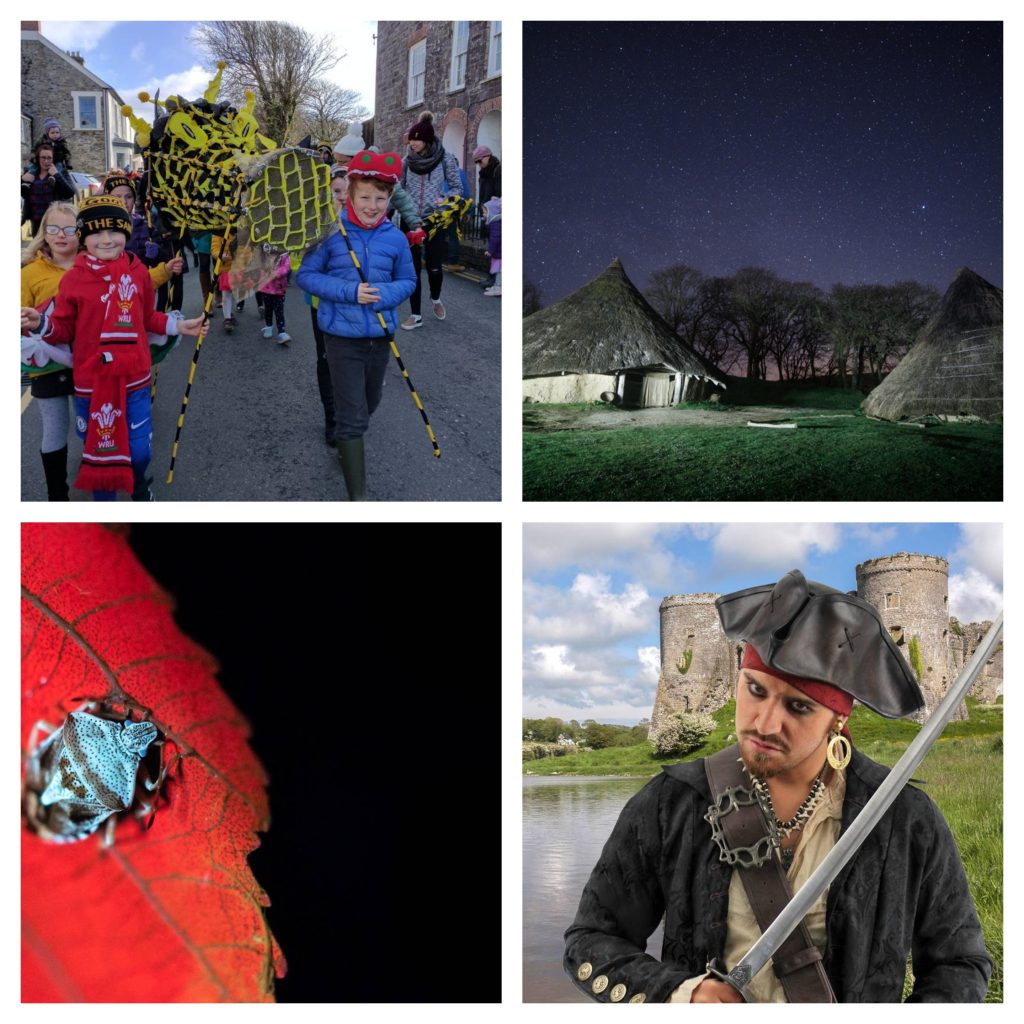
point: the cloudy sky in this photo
(591, 593)
(134, 55)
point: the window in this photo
(460, 47)
(26, 131)
(87, 111)
(494, 50)
(417, 71)
(892, 600)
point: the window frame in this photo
(413, 76)
(77, 97)
(460, 58)
(494, 49)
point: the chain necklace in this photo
(803, 812)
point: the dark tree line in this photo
(759, 325)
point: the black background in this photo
(368, 660)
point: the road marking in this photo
(26, 397)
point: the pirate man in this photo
(717, 846)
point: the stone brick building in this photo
(57, 84)
(910, 593)
(452, 68)
(698, 664)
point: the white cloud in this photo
(617, 712)
(189, 83)
(873, 533)
(775, 547)
(650, 660)
(138, 51)
(973, 597)
(555, 664)
(589, 612)
(82, 36)
(981, 547)
(551, 545)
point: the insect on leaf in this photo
(172, 914)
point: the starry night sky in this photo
(851, 152)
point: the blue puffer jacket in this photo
(329, 273)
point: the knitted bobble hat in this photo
(352, 142)
(382, 166)
(480, 152)
(103, 213)
(423, 129)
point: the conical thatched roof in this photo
(956, 365)
(604, 327)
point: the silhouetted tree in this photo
(531, 297)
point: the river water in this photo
(566, 821)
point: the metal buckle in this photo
(732, 799)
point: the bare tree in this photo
(328, 110)
(278, 61)
(531, 297)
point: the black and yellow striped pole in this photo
(226, 238)
(391, 342)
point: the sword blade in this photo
(850, 841)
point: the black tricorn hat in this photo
(809, 630)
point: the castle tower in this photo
(698, 664)
(911, 594)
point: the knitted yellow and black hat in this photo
(114, 179)
(103, 213)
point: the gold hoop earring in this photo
(839, 750)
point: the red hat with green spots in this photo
(382, 166)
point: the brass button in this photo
(600, 983)
(585, 971)
(639, 998)
(617, 994)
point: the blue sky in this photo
(591, 592)
(135, 55)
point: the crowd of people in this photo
(102, 296)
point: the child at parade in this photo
(150, 241)
(104, 309)
(46, 258)
(272, 294)
(492, 214)
(358, 348)
(224, 280)
(53, 136)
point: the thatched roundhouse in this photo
(955, 367)
(606, 337)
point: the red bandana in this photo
(123, 355)
(825, 694)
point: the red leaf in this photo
(169, 915)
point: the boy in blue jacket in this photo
(357, 348)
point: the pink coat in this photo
(278, 284)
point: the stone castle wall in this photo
(698, 664)
(910, 593)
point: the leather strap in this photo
(797, 962)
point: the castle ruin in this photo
(910, 593)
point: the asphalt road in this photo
(254, 426)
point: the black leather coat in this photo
(904, 891)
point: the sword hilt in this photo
(738, 978)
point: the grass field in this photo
(962, 773)
(825, 459)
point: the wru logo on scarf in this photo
(106, 420)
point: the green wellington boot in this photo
(353, 465)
